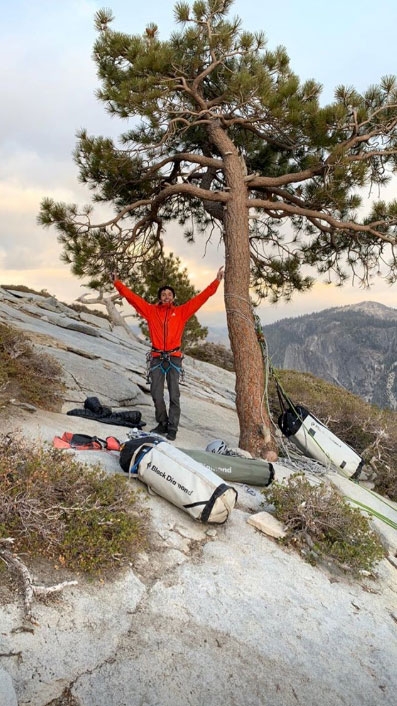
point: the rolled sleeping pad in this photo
(235, 468)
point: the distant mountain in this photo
(352, 346)
(218, 334)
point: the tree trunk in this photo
(116, 319)
(255, 426)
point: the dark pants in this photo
(161, 371)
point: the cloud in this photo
(25, 244)
(48, 93)
(57, 281)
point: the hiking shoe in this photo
(171, 436)
(160, 429)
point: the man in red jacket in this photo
(166, 323)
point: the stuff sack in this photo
(236, 469)
(183, 481)
(92, 404)
(316, 441)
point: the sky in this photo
(47, 91)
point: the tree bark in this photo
(255, 425)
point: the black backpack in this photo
(128, 449)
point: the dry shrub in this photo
(58, 509)
(24, 288)
(214, 353)
(323, 526)
(25, 374)
(385, 482)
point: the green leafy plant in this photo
(323, 526)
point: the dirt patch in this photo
(45, 339)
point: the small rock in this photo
(23, 405)
(267, 524)
(211, 533)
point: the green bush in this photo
(56, 508)
(323, 526)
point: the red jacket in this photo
(166, 322)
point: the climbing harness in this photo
(165, 363)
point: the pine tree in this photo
(229, 141)
(159, 271)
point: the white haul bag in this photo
(183, 481)
(316, 441)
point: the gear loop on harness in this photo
(165, 362)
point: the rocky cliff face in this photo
(352, 346)
(207, 615)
